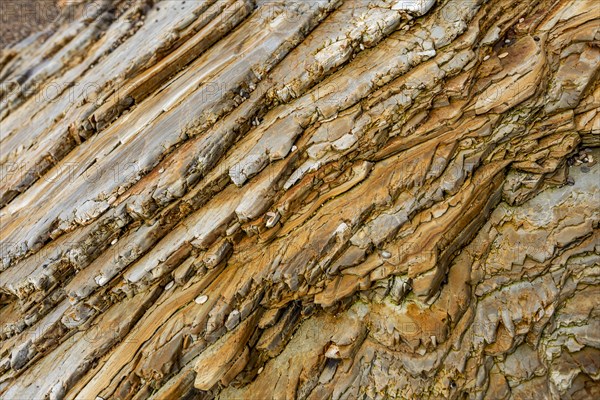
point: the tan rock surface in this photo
(250, 199)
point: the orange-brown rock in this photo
(330, 199)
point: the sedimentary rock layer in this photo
(244, 199)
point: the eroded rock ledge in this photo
(245, 199)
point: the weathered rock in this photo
(249, 199)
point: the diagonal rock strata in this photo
(326, 199)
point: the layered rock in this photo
(326, 199)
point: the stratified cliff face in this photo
(359, 199)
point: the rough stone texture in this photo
(245, 199)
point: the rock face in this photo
(331, 199)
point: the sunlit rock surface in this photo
(330, 199)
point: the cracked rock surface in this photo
(331, 199)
